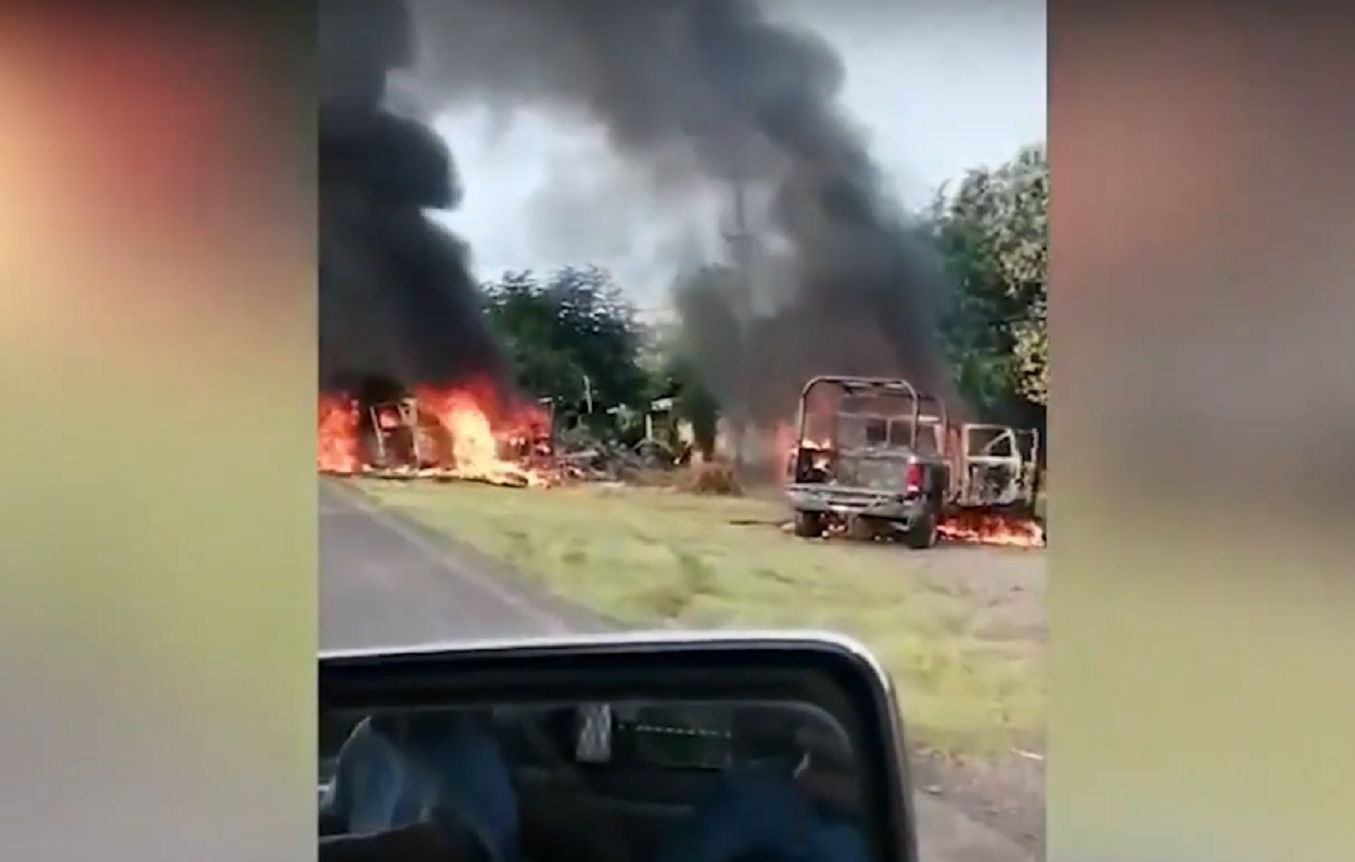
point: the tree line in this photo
(576, 339)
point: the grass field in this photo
(651, 557)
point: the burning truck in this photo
(412, 379)
(877, 457)
(466, 432)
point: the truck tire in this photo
(809, 525)
(923, 533)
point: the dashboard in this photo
(638, 736)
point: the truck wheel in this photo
(809, 525)
(923, 534)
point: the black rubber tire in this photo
(809, 525)
(923, 534)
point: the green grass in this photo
(652, 558)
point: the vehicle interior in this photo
(611, 781)
(1000, 465)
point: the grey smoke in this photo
(698, 94)
(398, 306)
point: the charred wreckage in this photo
(877, 457)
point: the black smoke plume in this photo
(706, 93)
(397, 303)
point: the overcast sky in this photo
(939, 86)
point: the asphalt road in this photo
(387, 582)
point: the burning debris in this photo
(993, 528)
(339, 447)
(440, 433)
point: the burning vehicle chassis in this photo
(463, 432)
(877, 458)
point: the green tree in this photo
(1032, 354)
(524, 317)
(596, 325)
(992, 233)
(573, 326)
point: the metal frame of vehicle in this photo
(937, 482)
(1021, 465)
(914, 509)
(406, 414)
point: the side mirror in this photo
(616, 748)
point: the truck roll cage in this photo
(851, 385)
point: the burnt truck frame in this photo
(397, 434)
(901, 472)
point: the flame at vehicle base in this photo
(339, 448)
(986, 528)
(465, 432)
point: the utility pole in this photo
(740, 241)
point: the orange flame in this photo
(338, 450)
(787, 439)
(478, 431)
(985, 528)
(464, 432)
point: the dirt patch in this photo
(1007, 588)
(1006, 794)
